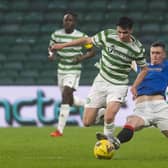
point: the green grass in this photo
(32, 147)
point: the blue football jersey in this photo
(156, 80)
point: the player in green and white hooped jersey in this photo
(119, 49)
(69, 66)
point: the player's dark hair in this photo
(158, 44)
(70, 12)
(125, 22)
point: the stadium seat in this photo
(13, 65)
(46, 81)
(9, 28)
(59, 5)
(3, 57)
(164, 29)
(20, 5)
(153, 17)
(14, 17)
(29, 73)
(9, 73)
(135, 6)
(6, 80)
(119, 5)
(24, 81)
(151, 28)
(156, 5)
(30, 28)
(33, 65)
(4, 5)
(97, 5)
(33, 17)
(21, 48)
(79, 6)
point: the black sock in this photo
(126, 134)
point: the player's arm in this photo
(78, 42)
(138, 80)
(89, 53)
(134, 66)
(50, 54)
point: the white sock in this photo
(109, 128)
(78, 101)
(63, 116)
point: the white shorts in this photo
(103, 92)
(71, 80)
(153, 113)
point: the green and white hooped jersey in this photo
(117, 56)
(66, 55)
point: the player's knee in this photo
(67, 96)
(86, 122)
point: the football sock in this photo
(63, 116)
(78, 101)
(109, 129)
(126, 134)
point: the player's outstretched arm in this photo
(77, 42)
(89, 54)
(138, 80)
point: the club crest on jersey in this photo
(111, 49)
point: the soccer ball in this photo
(104, 149)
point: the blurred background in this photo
(26, 26)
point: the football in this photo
(104, 149)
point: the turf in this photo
(32, 147)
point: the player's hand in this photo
(77, 59)
(50, 54)
(134, 92)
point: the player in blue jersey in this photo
(151, 108)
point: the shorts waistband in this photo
(144, 98)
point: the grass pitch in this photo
(32, 147)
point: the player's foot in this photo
(115, 141)
(100, 136)
(56, 134)
(100, 116)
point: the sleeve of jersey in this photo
(166, 69)
(99, 39)
(52, 40)
(88, 45)
(141, 60)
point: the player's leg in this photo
(89, 116)
(133, 123)
(68, 87)
(67, 101)
(77, 101)
(161, 107)
(115, 97)
(110, 113)
(142, 117)
(95, 100)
